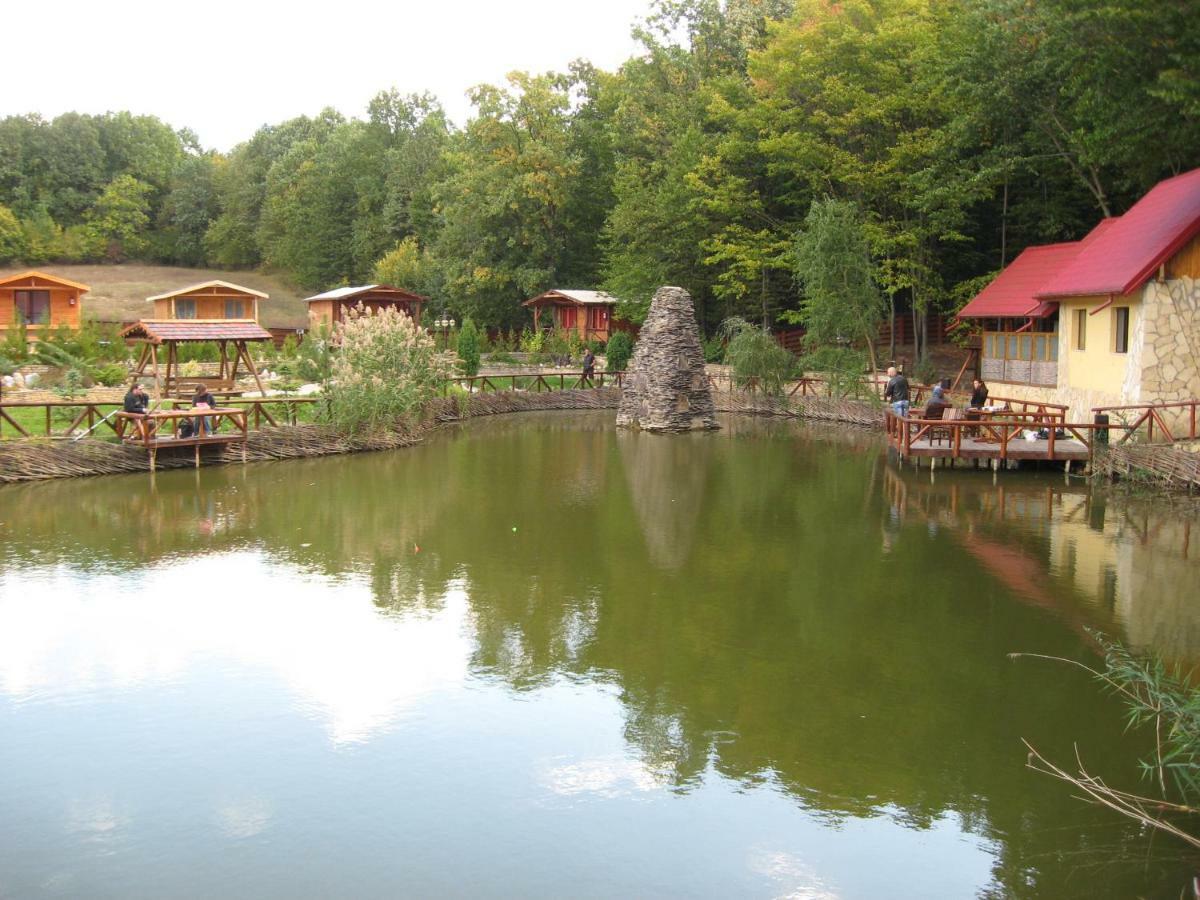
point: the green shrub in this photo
(714, 349)
(468, 348)
(618, 351)
(385, 369)
(289, 347)
(502, 358)
(72, 385)
(755, 355)
(315, 355)
(110, 374)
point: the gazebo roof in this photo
(156, 331)
(347, 293)
(583, 298)
(32, 275)
(215, 283)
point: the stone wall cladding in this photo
(665, 389)
(1170, 359)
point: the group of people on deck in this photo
(137, 402)
(897, 393)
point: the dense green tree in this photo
(117, 222)
(188, 211)
(12, 238)
(505, 203)
(841, 300)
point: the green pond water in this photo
(538, 657)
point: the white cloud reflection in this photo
(65, 634)
(607, 776)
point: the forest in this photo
(960, 131)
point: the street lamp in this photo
(444, 324)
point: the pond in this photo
(536, 656)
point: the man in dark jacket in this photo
(136, 400)
(896, 392)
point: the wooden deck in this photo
(157, 431)
(1000, 438)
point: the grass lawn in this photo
(118, 293)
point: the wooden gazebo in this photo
(231, 336)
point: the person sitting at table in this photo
(136, 400)
(938, 404)
(203, 399)
(979, 394)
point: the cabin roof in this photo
(215, 283)
(1014, 293)
(156, 331)
(345, 293)
(585, 298)
(11, 280)
(1127, 254)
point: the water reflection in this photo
(769, 615)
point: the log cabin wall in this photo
(66, 303)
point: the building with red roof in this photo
(1109, 320)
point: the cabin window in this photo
(566, 317)
(33, 307)
(185, 309)
(234, 309)
(1121, 329)
(598, 318)
(1081, 329)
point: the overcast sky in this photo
(225, 67)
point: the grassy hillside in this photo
(119, 293)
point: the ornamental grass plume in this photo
(385, 370)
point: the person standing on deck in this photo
(896, 392)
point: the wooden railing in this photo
(905, 431)
(156, 428)
(1150, 416)
(88, 415)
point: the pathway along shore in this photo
(38, 458)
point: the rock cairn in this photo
(666, 389)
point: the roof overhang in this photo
(13, 281)
(159, 331)
(210, 285)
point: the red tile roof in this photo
(1128, 253)
(1016, 291)
(158, 330)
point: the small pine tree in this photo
(468, 348)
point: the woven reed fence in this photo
(39, 458)
(1171, 468)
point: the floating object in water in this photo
(416, 549)
(306, 545)
(514, 529)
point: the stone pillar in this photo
(665, 388)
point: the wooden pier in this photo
(157, 431)
(997, 438)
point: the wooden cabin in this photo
(330, 307)
(39, 301)
(209, 301)
(588, 313)
(1110, 320)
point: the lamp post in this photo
(445, 324)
